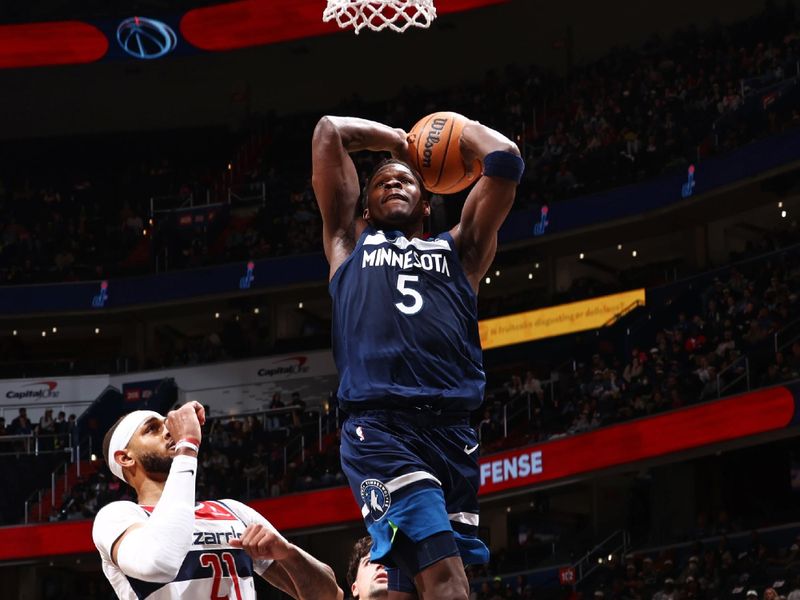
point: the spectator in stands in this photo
(794, 586)
(3, 426)
(60, 427)
(46, 428)
(300, 407)
(74, 434)
(667, 592)
(21, 425)
(366, 580)
(276, 421)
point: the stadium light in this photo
(55, 329)
(488, 280)
(633, 254)
(780, 204)
(300, 304)
(256, 310)
(14, 332)
(530, 275)
(44, 334)
(96, 330)
(580, 256)
(497, 273)
(783, 214)
(619, 246)
(216, 315)
(536, 266)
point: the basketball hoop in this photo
(397, 15)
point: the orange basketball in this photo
(435, 153)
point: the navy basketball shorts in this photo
(415, 476)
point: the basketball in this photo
(433, 146)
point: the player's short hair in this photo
(107, 438)
(360, 550)
(425, 194)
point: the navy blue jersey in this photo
(405, 329)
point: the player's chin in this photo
(399, 215)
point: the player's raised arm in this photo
(489, 201)
(335, 179)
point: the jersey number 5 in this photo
(213, 561)
(402, 287)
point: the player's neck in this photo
(409, 232)
(148, 492)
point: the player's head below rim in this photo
(394, 197)
(139, 448)
(367, 580)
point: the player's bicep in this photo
(334, 178)
(118, 541)
(278, 577)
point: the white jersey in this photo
(212, 568)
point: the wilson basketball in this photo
(435, 153)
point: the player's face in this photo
(394, 198)
(372, 582)
(153, 447)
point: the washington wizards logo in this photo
(376, 498)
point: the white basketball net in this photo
(397, 15)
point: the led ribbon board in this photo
(557, 320)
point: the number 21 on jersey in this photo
(213, 560)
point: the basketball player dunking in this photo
(405, 341)
(166, 546)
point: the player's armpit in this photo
(475, 236)
(115, 545)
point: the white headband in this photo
(123, 434)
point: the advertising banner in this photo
(248, 385)
(557, 320)
(693, 427)
(70, 394)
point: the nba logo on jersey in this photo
(376, 499)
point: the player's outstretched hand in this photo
(263, 543)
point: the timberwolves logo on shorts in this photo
(376, 498)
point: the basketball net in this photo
(397, 15)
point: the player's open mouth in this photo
(394, 197)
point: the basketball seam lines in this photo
(421, 146)
(446, 148)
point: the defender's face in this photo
(152, 447)
(372, 582)
(394, 198)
